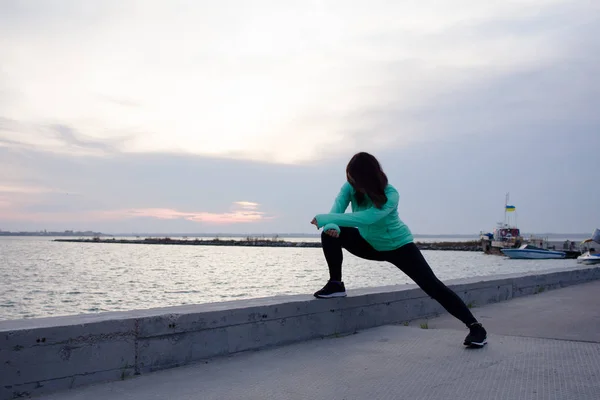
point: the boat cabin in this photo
(506, 233)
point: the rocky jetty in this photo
(473, 245)
(260, 242)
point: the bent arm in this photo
(361, 218)
(342, 199)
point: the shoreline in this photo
(471, 245)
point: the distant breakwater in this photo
(257, 242)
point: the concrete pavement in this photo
(544, 346)
(571, 313)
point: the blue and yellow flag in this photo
(510, 208)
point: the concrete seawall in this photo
(48, 354)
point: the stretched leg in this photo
(409, 259)
(351, 240)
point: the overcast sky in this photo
(238, 116)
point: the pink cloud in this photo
(242, 212)
(167, 213)
(15, 189)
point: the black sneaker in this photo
(477, 336)
(332, 289)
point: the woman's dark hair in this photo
(366, 176)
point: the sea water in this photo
(40, 277)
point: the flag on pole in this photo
(510, 208)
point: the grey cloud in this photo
(488, 101)
(10, 131)
(8, 124)
(15, 133)
(527, 22)
(530, 23)
(71, 137)
(10, 142)
(15, 14)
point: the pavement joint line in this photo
(491, 335)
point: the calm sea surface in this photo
(39, 277)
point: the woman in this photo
(374, 231)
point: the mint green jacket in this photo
(380, 227)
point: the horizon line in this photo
(289, 234)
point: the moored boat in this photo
(589, 258)
(506, 235)
(530, 252)
(589, 254)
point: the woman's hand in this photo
(332, 233)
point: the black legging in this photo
(407, 258)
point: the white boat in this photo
(589, 258)
(590, 255)
(531, 252)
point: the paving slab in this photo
(541, 347)
(571, 313)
